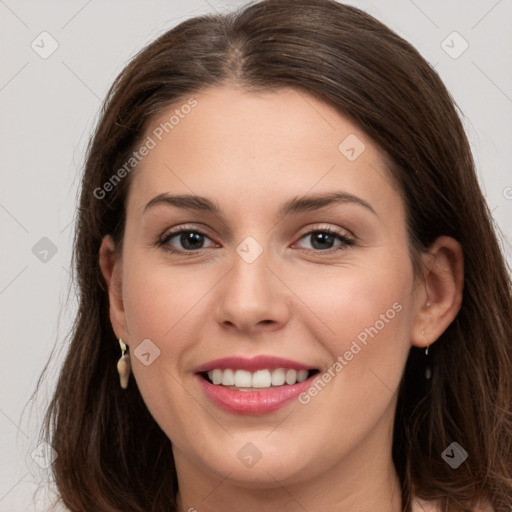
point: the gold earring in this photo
(123, 365)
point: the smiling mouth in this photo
(260, 380)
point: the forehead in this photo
(245, 146)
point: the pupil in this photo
(188, 240)
(322, 238)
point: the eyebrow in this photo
(293, 206)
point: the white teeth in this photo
(257, 379)
(291, 377)
(261, 379)
(228, 378)
(243, 379)
(217, 376)
(302, 375)
(278, 377)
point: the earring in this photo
(123, 365)
(428, 369)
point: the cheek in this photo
(166, 305)
(353, 301)
(159, 305)
(364, 315)
(159, 299)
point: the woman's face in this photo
(304, 258)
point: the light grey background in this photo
(48, 107)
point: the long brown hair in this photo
(112, 456)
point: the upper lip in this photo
(256, 363)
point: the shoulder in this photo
(420, 505)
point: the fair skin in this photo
(249, 153)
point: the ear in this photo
(442, 285)
(111, 268)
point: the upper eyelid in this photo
(341, 232)
(193, 227)
(179, 229)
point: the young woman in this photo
(291, 293)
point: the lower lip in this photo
(253, 402)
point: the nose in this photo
(252, 298)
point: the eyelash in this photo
(163, 242)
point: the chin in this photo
(260, 464)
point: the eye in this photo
(190, 240)
(324, 239)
